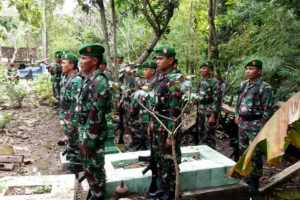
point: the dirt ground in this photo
(34, 133)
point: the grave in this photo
(208, 171)
(62, 187)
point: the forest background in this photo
(245, 29)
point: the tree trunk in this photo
(44, 35)
(105, 32)
(115, 69)
(147, 52)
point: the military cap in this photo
(207, 63)
(154, 57)
(91, 50)
(103, 61)
(167, 51)
(58, 54)
(149, 64)
(121, 56)
(69, 56)
(255, 63)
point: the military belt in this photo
(251, 117)
(206, 101)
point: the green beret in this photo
(69, 56)
(149, 64)
(255, 63)
(154, 57)
(58, 54)
(121, 56)
(91, 50)
(103, 61)
(207, 63)
(167, 51)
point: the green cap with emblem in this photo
(207, 63)
(69, 56)
(58, 54)
(255, 63)
(167, 51)
(121, 55)
(91, 50)
(149, 64)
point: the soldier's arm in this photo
(175, 101)
(95, 127)
(75, 91)
(267, 101)
(216, 105)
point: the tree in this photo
(158, 15)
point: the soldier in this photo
(91, 109)
(254, 108)
(105, 71)
(120, 59)
(167, 102)
(56, 72)
(209, 104)
(12, 74)
(68, 102)
(139, 140)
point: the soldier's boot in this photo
(168, 195)
(253, 183)
(160, 191)
(95, 198)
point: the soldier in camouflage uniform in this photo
(91, 110)
(209, 104)
(56, 73)
(254, 108)
(139, 140)
(68, 101)
(12, 74)
(105, 71)
(167, 102)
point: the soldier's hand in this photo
(212, 119)
(168, 143)
(72, 128)
(236, 120)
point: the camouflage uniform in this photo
(68, 101)
(13, 75)
(109, 75)
(210, 101)
(254, 107)
(167, 102)
(91, 109)
(56, 78)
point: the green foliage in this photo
(42, 89)
(5, 119)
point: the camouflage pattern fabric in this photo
(91, 110)
(166, 101)
(12, 75)
(109, 75)
(210, 101)
(254, 107)
(68, 101)
(56, 78)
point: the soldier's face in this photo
(252, 72)
(102, 67)
(205, 71)
(87, 62)
(66, 66)
(164, 63)
(120, 60)
(148, 72)
(57, 60)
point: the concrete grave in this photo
(63, 187)
(208, 171)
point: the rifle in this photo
(152, 166)
(121, 123)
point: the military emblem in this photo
(66, 55)
(149, 64)
(88, 49)
(165, 50)
(253, 63)
(206, 63)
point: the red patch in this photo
(149, 64)
(253, 63)
(165, 50)
(88, 49)
(177, 93)
(206, 63)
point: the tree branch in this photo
(152, 11)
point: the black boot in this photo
(162, 189)
(95, 198)
(253, 183)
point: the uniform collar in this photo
(257, 82)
